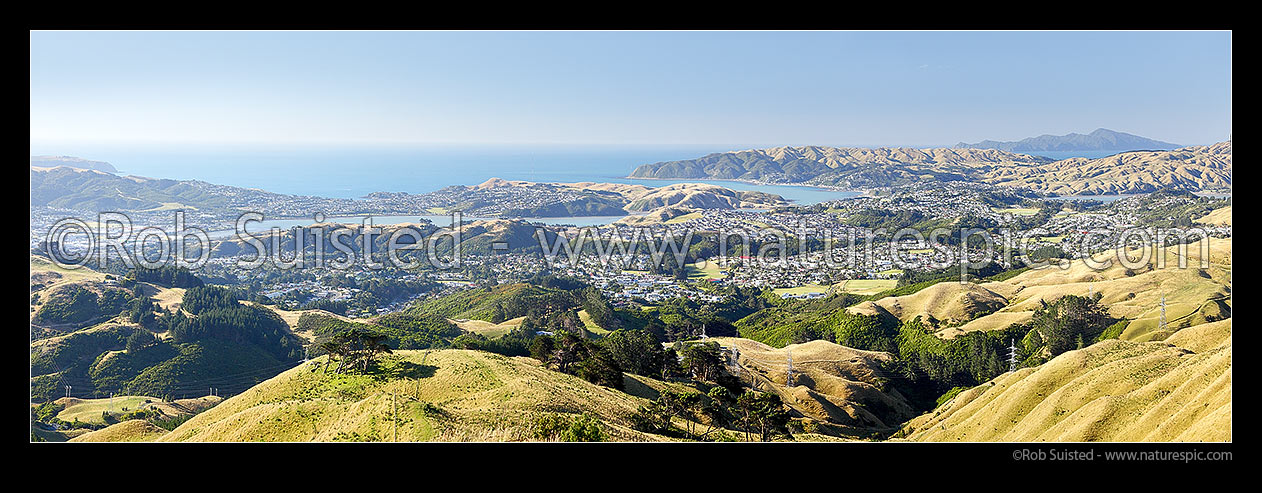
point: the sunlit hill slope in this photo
(1176, 390)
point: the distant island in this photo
(71, 161)
(1102, 139)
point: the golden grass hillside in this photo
(1195, 168)
(48, 274)
(656, 216)
(644, 198)
(1193, 294)
(1110, 391)
(447, 395)
(132, 430)
(47, 279)
(1217, 217)
(491, 330)
(89, 410)
(833, 385)
(291, 318)
(949, 302)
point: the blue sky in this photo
(743, 89)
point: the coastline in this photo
(863, 192)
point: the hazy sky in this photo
(630, 88)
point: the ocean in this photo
(355, 172)
(352, 172)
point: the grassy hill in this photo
(467, 395)
(47, 274)
(76, 188)
(1193, 294)
(87, 362)
(593, 199)
(495, 304)
(490, 330)
(1188, 168)
(132, 430)
(838, 166)
(1218, 217)
(447, 395)
(133, 418)
(838, 387)
(67, 299)
(949, 302)
(96, 362)
(700, 196)
(89, 410)
(1176, 390)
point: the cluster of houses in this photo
(314, 289)
(480, 201)
(652, 288)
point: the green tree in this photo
(1070, 319)
(762, 413)
(704, 360)
(635, 351)
(140, 339)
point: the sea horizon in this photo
(354, 171)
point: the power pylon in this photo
(1012, 355)
(1161, 324)
(789, 376)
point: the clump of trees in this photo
(582, 428)
(219, 315)
(1070, 322)
(355, 349)
(929, 366)
(332, 306)
(199, 299)
(637, 351)
(569, 353)
(77, 304)
(633, 351)
(704, 361)
(167, 275)
(141, 339)
(759, 415)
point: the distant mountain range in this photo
(499, 197)
(1192, 168)
(71, 161)
(85, 189)
(1102, 139)
(840, 166)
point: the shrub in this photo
(950, 395)
(583, 428)
(1113, 331)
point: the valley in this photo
(851, 319)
